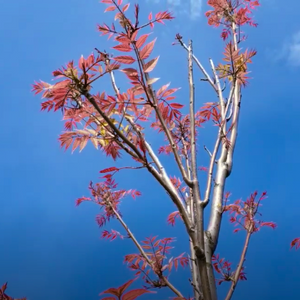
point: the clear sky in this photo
(51, 249)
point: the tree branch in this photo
(92, 100)
(219, 89)
(141, 250)
(236, 113)
(98, 122)
(199, 245)
(196, 280)
(160, 175)
(224, 164)
(208, 78)
(235, 279)
(150, 91)
(211, 170)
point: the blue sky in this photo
(52, 249)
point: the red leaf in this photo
(81, 62)
(176, 105)
(83, 143)
(120, 290)
(76, 143)
(125, 7)
(111, 169)
(110, 8)
(176, 264)
(111, 235)
(123, 48)
(172, 217)
(4, 287)
(79, 200)
(123, 287)
(169, 92)
(133, 294)
(269, 224)
(201, 168)
(162, 89)
(135, 193)
(150, 65)
(133, 36)
(142, 146)
(146, 51)
(295, 243)
(124, 59)
(141, 40)
(131, 73)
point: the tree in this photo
(115, 123)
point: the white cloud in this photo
(192, 8)
(294, 50)
(290, 51)
(195, 8)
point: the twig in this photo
(230, 113)
(235, 279)
(208, 78)
(220, 94)
(206, 149)
(211, 169)
(230, 103)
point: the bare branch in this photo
(211, 170)
(235, 279)
(219, 89)
(196, 282)
(207, 77)
(230, 103)
(206, 149)
(199, 245)
(164, 177)
(230, 113)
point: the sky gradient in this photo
(52, 249)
